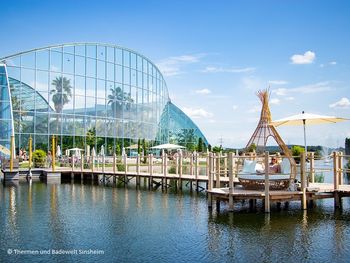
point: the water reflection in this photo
(147, 226)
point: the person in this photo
(274, 166)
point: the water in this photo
(130, 225)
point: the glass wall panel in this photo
(41, 123)
(90, 87)
(68, 49)
(79, 122)
(118, 56)
(56, 61)
(126, 58)
(118, 74)
(101, 69)
(28, 77)
(41, 142)
(80, 65)
(68, 63)
(79, 86)
(110, 54)
(67, 124)
(110, 71)
(80, 50)
(90, 67)
(28, 60)
(42, 79)
(101, 53)
(126, 79)
(91, 51)
(42, 59)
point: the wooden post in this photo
(217, 177)
(196, 169)
(30, 151)
(180, 171)
(53, 145)
(176, 164)
(82, 162)
(312, 167)
(165, 164)
(150, 181)
(73, 162)
(230, 175)
(207, 165)
(303, 180)
(336, 179)
(225, 165)
(210, 175)
(191, 164)
(210, 180)
(114, 162)
(92, 163)
(138, 169)
(82, 167)
(125, 160)
(340, 168)
(267, 184)
(151, 164)
(12, 145)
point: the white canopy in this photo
(168, 146)
(308, 118)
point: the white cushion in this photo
(249, 166)
(285, 166)
(259, 168)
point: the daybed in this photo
(252, 177)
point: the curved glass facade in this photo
(87, 94)
(180, 128)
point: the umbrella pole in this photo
(305, 140)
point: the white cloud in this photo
(203, 91)
(275, 101)
(278, 82)
(172, 66)
(333, 63)
(235, 107)
(197, 113)
(343, 103)
(307, 58)
(211, 69)
(306, 89)
(289, 98)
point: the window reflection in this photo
(74, 90)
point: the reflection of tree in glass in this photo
(17, 115)
(187, 138)
(61, 93)
(116, 99)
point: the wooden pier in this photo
(217, 174)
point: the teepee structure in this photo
(265, 130)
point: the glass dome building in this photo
(87, 94)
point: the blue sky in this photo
(215, 55)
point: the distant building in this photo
(88, 94)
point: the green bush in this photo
(120, 167)
(296, 151)
(39, 158)
(172, 170)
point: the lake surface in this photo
(129, 225)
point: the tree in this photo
(116, 99)
(61, 93)
(187, 138)
(347, 146)
(200, 145)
